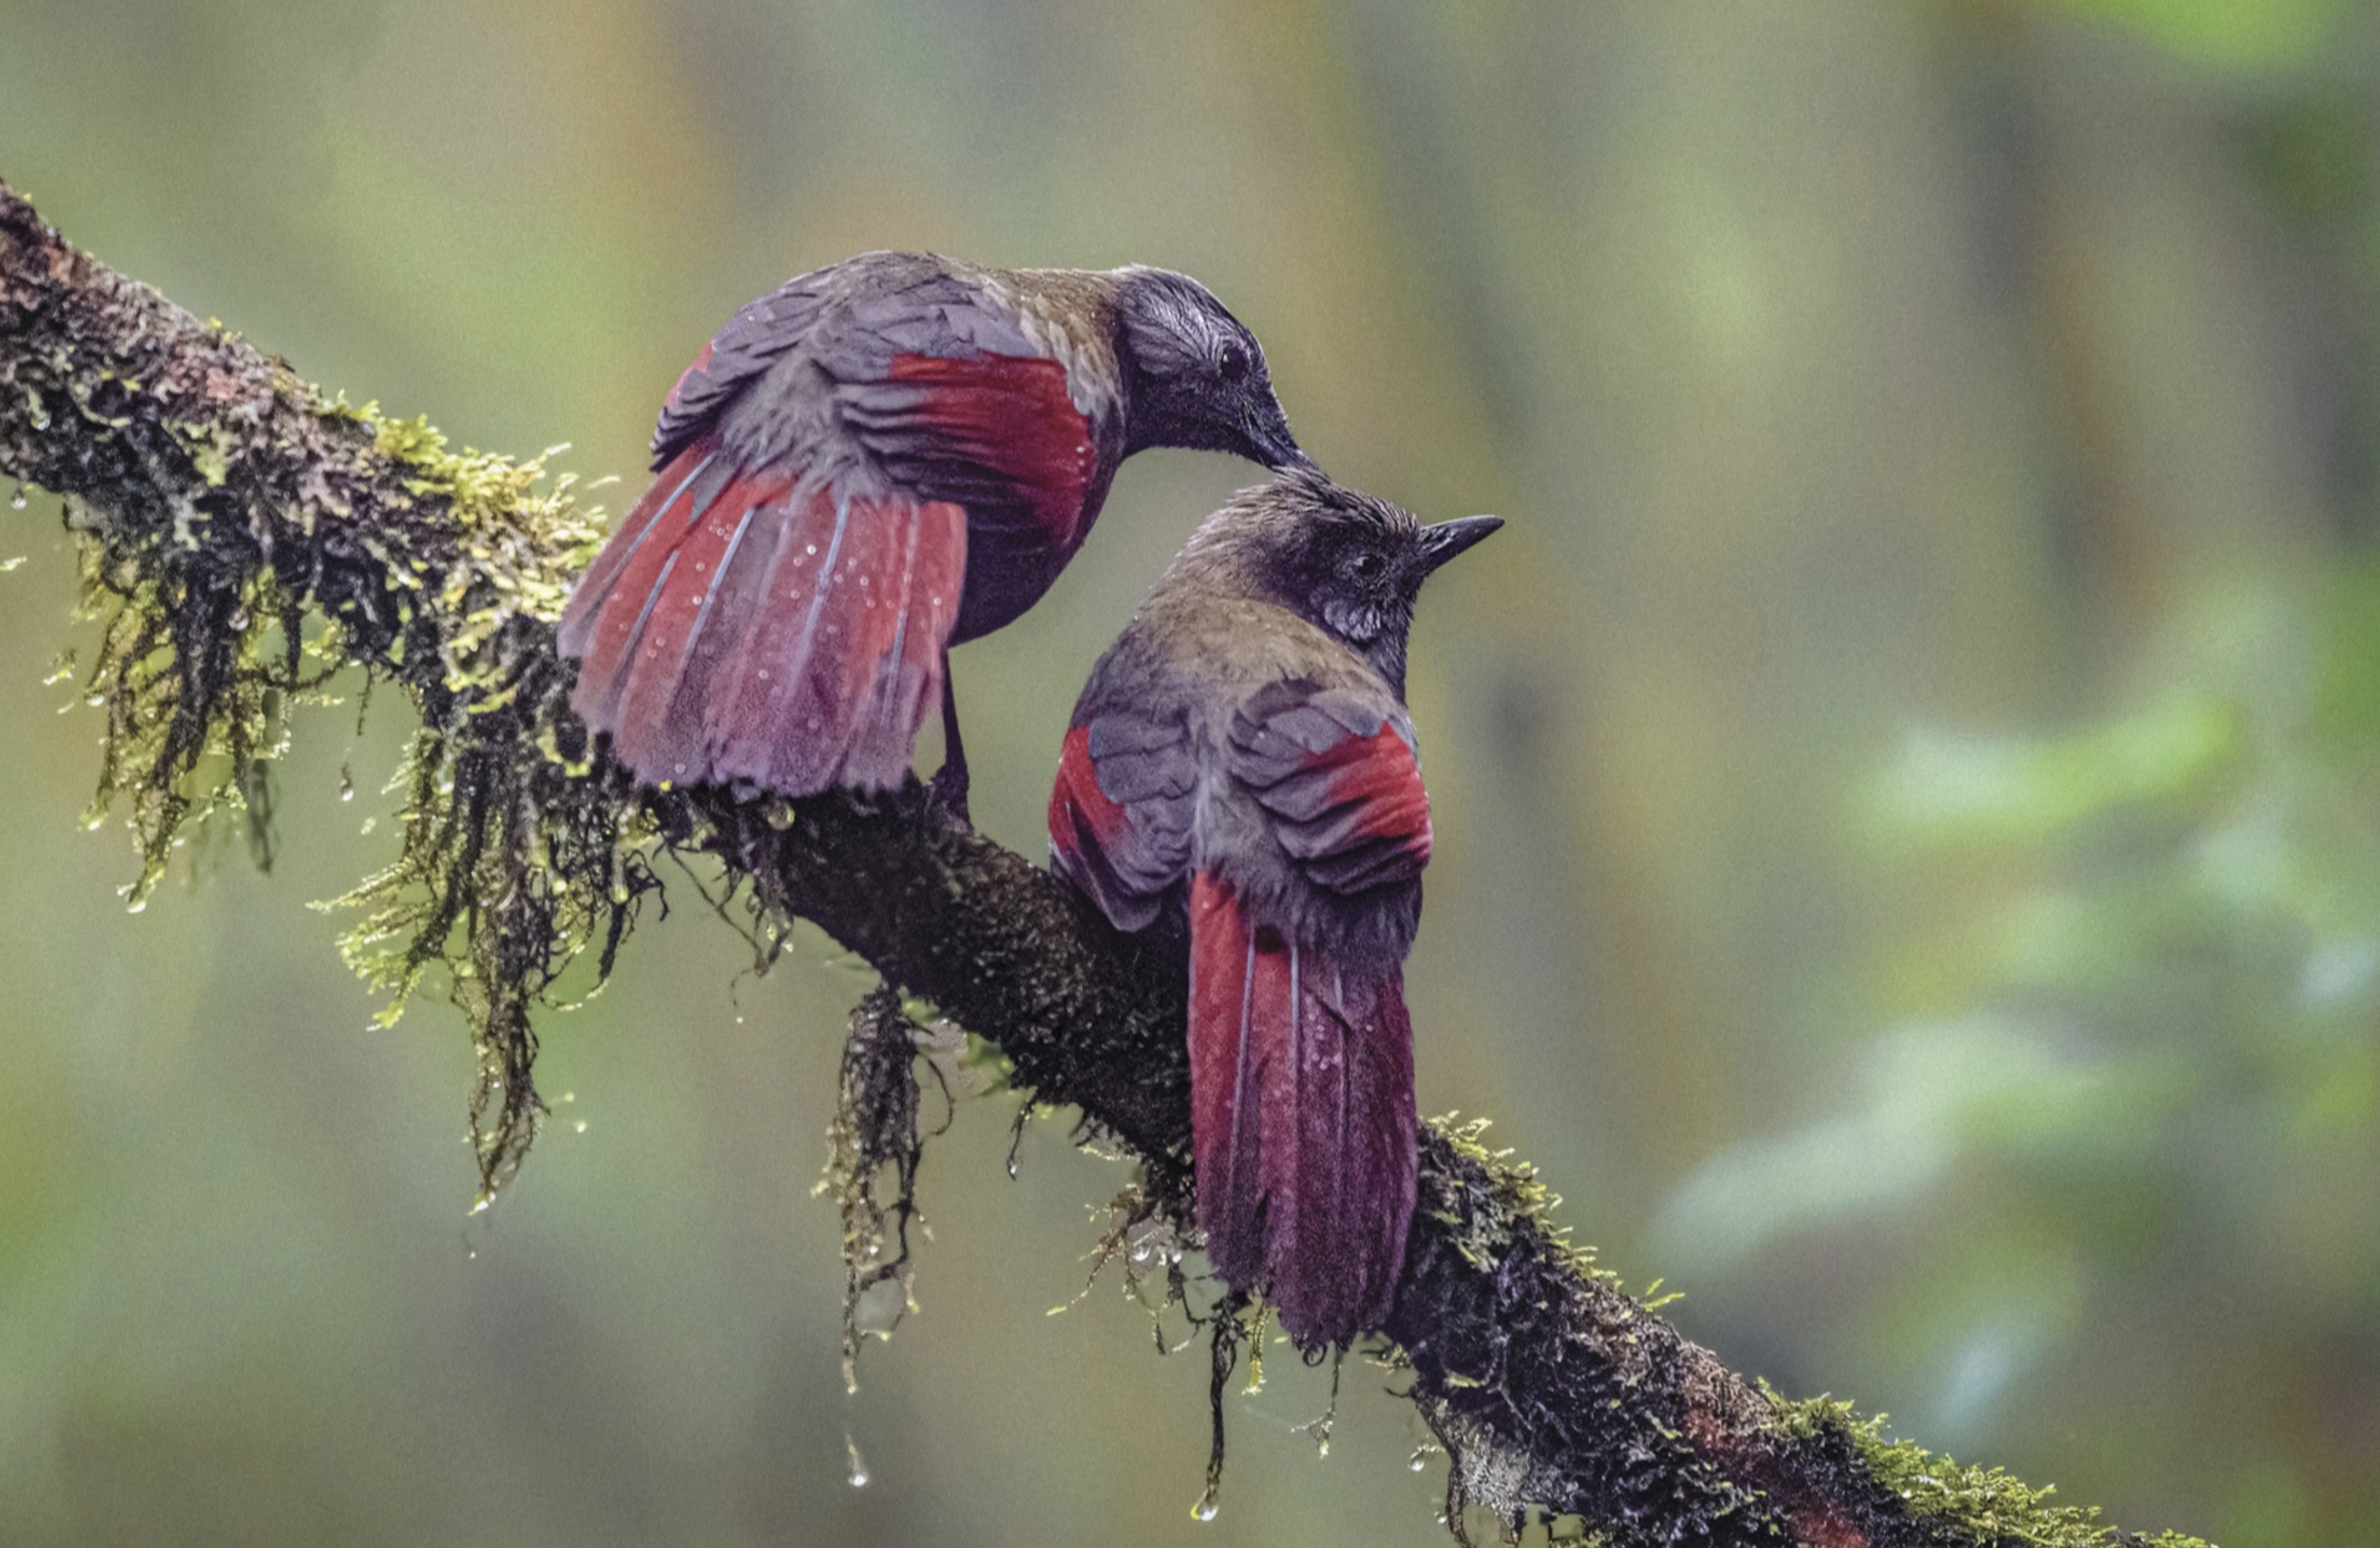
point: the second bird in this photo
(877, 461)
(1241, 775)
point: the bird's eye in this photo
(1233, 364)
(1367, 567)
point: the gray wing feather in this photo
(1276, 737)
(1147, 767)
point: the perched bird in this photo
(877, 461)
(1240, 775)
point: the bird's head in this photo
(1349, 563)
(1194, 376)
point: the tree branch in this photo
(244, 538)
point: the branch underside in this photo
(244, 538)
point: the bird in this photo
(1240, 783)
(878, 460)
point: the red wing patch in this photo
(1376, 782)
(1010, 415)
(1347, 801)
(1081, 816)
(702, 361)
(1121, 813)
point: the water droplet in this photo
(346, 782)
(582, 1126)
(1420, 1459)
(855, 1468)
(1206, 1507)
(16, 501)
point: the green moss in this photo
(439, 571)
(1981, 1505)
(515, 861)
(1503, 1198)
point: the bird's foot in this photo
(946, 794)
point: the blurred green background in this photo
(1908, 779)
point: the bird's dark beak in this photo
(1445, 539)
(1270, 443)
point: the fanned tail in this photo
(1302, 1120)
(746, 624)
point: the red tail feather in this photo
(752, 629)
(605, 613)
(1301, 1120)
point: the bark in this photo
(248, 536)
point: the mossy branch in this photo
(244, 538)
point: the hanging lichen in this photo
(876, 1127)
(197, 671)
(514, 859)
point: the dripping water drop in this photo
(1207, 1506)
(17, 501)
(856, 1467)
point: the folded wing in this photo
(1121, 813)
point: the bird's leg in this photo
(948, 793)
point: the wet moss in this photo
(195, 674)
(516, 859)
(1945, 1500)
(875, 1128)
